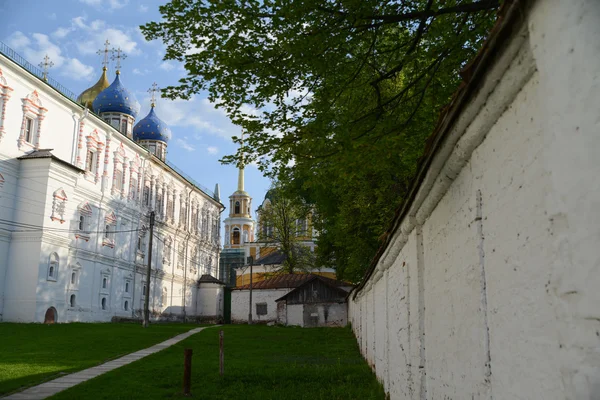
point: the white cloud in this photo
(75, 69)
(166, 66)
(97, 36)
(52, 16)
(137, 71)
(40, 45)
(142, 8)
(35, 50)
(184, 144)
(112, 4)
(18, 40)
(61, 32)
(212, 150)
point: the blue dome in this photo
(151, 128)
(116, 98)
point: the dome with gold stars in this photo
(151, 128)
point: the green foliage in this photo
(33, 353)
(284, 224)
(261, 362)
(336, 97)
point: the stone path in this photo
(50, 388)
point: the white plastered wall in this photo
(491, 282)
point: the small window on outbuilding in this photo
(126, 305)
(72, 301)
(103, 303)
(261, 308)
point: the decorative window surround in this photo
(110, 225)
(4, 97)
(163, 297)
(34, 111)
(167, 251)
(181, 256)
(105, 281)
(134, 178)
(92, 156)
(120, 160)
(83, 222)
(74, 277)
(59, 204)
(53, 264)
(128, 286)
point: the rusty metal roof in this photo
(290, 281)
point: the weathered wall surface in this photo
(489, 288)
(315, 314)
(240, 299)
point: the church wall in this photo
(488, 288)
(28, 196)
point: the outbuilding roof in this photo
(210, 279)
(329, 282)
(290, 281)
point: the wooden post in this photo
(221, 355)
(187, 372)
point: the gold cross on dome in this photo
(105, 54)
(117, 56)
(153, 90)
(46, 64)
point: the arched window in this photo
(237, 207)
(103, 303)
(104, 282)
(126, 287)
(53, 267)
(236, 236)
(72, 301)
(73, 277)
(126, 305)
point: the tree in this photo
(337, 97)
(284, 224)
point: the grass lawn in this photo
(33, 353)
(261, 362)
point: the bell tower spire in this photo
(240, 187)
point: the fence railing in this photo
(189, 178)
(17, 58)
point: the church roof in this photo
(151, 128)
(116, 98)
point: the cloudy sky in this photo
(70, 32)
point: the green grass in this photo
(33, 353)
(260, 363)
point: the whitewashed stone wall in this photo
(489, 287)
(210, 300)
(241, 298)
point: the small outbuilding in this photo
(316, 302)
(210, 299)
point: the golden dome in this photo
(88, 95)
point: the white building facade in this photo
(75, 199)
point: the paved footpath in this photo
(50, 388)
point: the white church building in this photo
(78, 179)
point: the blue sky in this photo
(72, 31)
